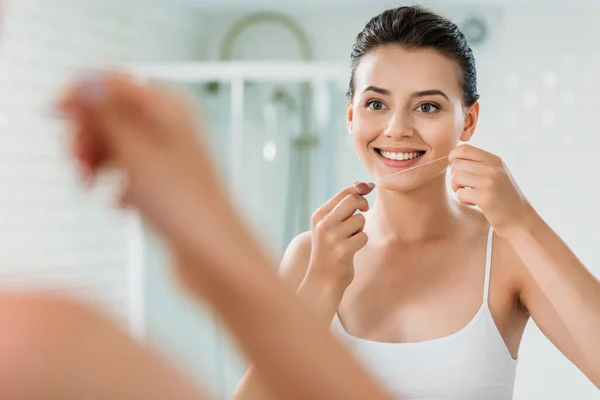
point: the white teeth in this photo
(399, 156)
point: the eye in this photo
(376, 105)
(428, 108)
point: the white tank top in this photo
(473, 363)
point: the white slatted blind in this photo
(54, 235)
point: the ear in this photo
(471, 118)
(349, 116)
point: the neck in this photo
(424, 213)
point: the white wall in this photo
(538, 82)
(53, 234)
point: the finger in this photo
(468, 152)
(75, 146)
(468, 196)
(359, 188)
(347, 207)
(466, 165)
(98, 93)
(115, 110)
(463, 179)
(352, 226)
(455, 186)
(74, 138)
(80, 151)
(363, 188)
(88, 149)
(73, 99)
(486, 169)
(358, 241)
(85, 175)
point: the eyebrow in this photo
(376, 89)
(385, 92)
(432, 92)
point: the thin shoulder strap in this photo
(488, 265)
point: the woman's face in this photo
(407, 110)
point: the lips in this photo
(398, 158)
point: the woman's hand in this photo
(150, 135)
(481, 179)
(337, 234)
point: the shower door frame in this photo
(236, 74)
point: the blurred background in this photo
(271, 77)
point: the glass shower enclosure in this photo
(277, 131)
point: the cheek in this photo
(365, 127)
(364, 132)
(442, 134)
(361, 137)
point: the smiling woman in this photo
(431, 293)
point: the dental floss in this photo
(411, 168)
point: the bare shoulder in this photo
(507, 268)
(296, 258)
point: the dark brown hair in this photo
(418, 28)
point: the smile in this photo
(399, 156)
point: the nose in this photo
(400, 125)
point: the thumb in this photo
(363, 188)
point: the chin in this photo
(400, 185)
(406, 184)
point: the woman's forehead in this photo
(397, 68)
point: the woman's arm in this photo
(320, 272)
(561, 295)
(292, 349)
(55, 348)
(292, 271)
(151, 137)
(320, 296)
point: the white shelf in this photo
(255, 71)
